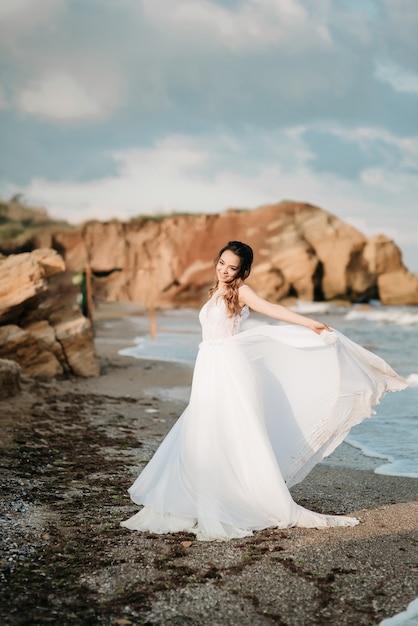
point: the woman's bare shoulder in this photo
(246, 293)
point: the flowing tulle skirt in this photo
(266, 405)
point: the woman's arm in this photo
(277, 311)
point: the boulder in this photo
(23, 280)
(76, 339)
(9, 378)
(395, 284)
(22, 346)
(398, 287)
(41, 326)
(382, 255)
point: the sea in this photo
(390, 437)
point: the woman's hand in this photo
(318, 327)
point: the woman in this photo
(266, 405)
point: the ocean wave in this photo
(397, 468)
(395, 315)
(367, 451)
(390, 466)
(308, 308)
(412, 380)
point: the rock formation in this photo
(41, 327)
(9, 378)
(394, 283)
(300, 250)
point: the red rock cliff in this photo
(300, 250)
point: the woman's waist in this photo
(215, 341)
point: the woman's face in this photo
(227, 267)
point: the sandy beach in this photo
(70, 449)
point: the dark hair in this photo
(245, 253)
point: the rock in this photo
(395, 284)
(23, 280)
(336, 245)
(76, 339)
(50, 263)
(22, 346)
(382, 255)
(301, 251)
(9, 378)
(41, 327)
(398, 287)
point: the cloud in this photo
(63, 96)
(3, 100)
(398, 78)
(58, 96)
(395, 152)
(265, 62)
(400, 21)
(209, 174)
(55, 63)
(255, 24)
(211, 104)
(18, 17)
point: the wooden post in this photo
(152, 322)
(89, 293)
(151, 311)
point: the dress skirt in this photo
(266, 406)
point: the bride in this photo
(266, 405)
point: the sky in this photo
(119, 108)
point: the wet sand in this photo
(70, 449)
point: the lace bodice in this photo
(216, 324)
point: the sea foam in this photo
(412, 380)
(398, 315)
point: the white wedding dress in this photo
(266, 405)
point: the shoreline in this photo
(71, 449)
